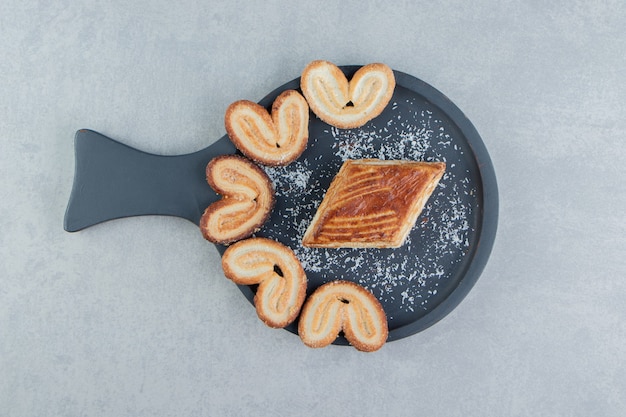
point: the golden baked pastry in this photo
(343, 306)
(281, 278)
(270, 140)
(373, 203)
(247, 199)
(347, 104)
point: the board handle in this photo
(113, 180)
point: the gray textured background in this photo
(133, 317)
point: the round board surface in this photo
(421, 282)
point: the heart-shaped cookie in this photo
(247, 199)
(278, 139)
(347, 104)
(343, 306)
(277, 270)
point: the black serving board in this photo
(417, 284)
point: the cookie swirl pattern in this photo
(247, 199)
(281, 278)
(347, 104)
(343, 306)
(276, 139)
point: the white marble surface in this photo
(133, 317)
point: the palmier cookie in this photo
(278, 139)
(247, 199)
(281, 278)
(343, 305)
(346, 104)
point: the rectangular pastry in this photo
(373, 203)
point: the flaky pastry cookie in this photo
(347, 104)
(247, 199)
(281, 278)
(343, 306)
(278, 139)
(373, 203)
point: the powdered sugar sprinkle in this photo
(407, 279)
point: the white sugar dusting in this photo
(410, 143)
(404, 279)
(294, 180)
